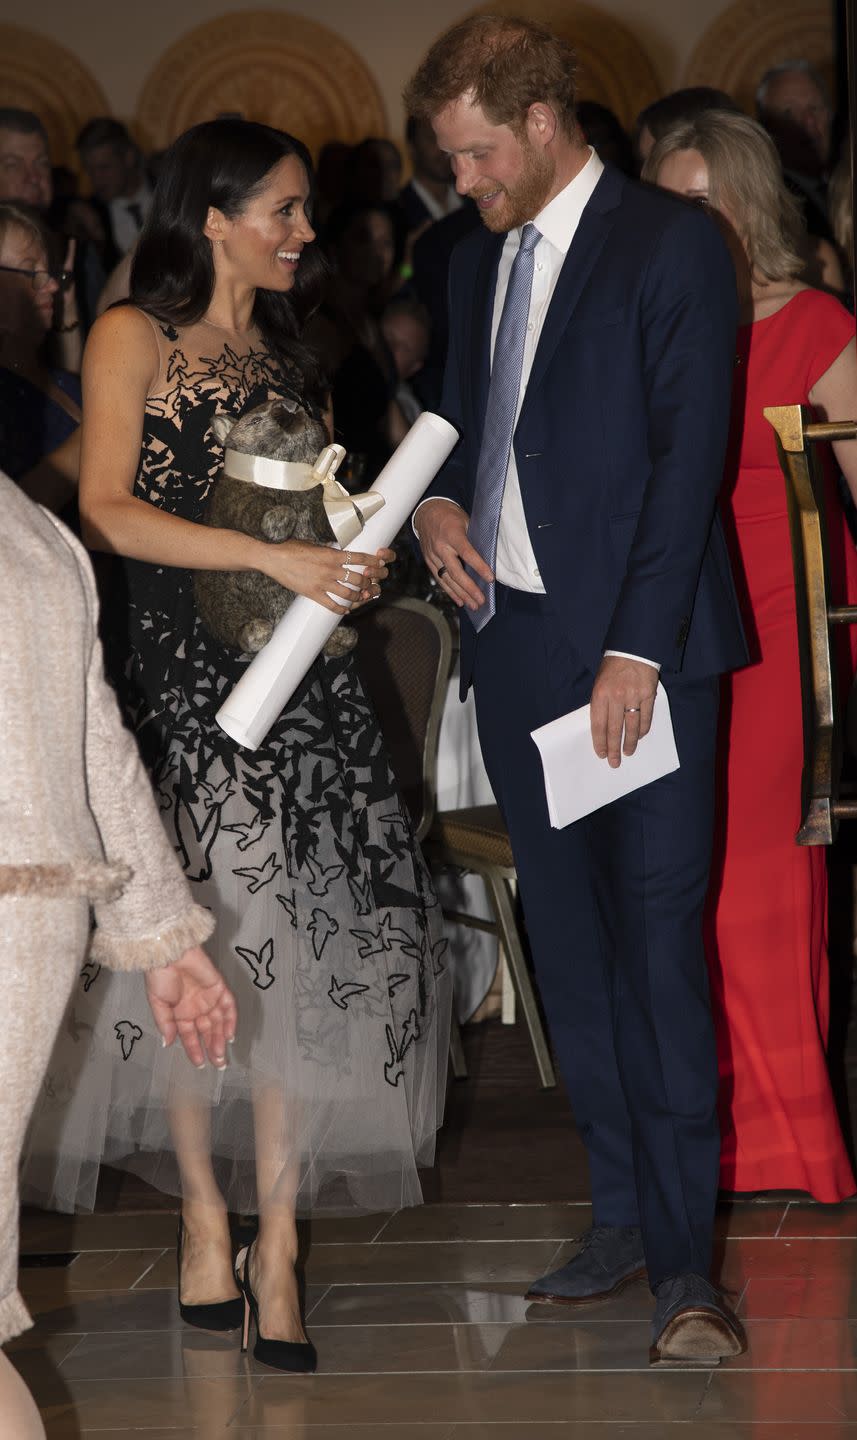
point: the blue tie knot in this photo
(530, 238)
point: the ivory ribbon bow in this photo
(347, 513)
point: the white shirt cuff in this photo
(623, 655)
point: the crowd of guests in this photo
(387, 243)
(364, 331)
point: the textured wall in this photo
(640, 47)
(120, 43)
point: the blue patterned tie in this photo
(500, 415)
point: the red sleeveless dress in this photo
(767, 923)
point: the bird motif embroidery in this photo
(259, 875)
(395, 983)
(395, 817)
(321, 927)
(127, 1033)
(341, 994)
(260, 962)
(361, 893)
(216, 794)
(322, 877)
(89, 974)
(394, 1068)
(249, 833)
(289, 905)
(438, 950)
(382, 940)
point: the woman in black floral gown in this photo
(327, 928)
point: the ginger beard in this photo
(525, 197)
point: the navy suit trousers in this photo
(613, 906)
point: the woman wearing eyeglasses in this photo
(39, 400)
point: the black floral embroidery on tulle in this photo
(321, 927)
(260, 963)
(127, 1033)
(398, 1046)
(89, 974)
(297, 808)
(340, 994)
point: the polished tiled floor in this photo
(423, 1333)
(419, 1317)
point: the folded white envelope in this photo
(577, 782)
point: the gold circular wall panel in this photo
(752, 35)
(615, 68)
(266, 65)
(38, 74)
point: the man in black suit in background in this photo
(430, 194)
(122, 191)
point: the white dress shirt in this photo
(437, 211)
(125, 228)
(515, 565)
(557, 223)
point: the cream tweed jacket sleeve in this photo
(77, 815)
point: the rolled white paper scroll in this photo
(275, 673)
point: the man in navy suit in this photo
(592, 332)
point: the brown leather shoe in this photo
(693, 1324)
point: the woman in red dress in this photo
(767, 933)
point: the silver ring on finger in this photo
(441, 571)
(632, 709)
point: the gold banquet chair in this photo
(824, 800)
(476, 839)
(404, 651)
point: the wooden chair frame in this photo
(823, 801)
(500, 879)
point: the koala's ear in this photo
(221, 426)
(284, 410)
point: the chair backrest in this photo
(404, 655)
(797, 436)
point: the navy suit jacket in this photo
(621, 438)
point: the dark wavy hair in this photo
(224, 164)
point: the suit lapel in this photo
(595, 225)
(483, 315)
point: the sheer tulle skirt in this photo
(330, 935)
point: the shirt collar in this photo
(140, 197)
(560, 218)
(436, 210)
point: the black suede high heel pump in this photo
(298, 1357)
(221, 1315)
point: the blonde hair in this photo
(745, 177)
(16, 216)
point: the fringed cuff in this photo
(94, 880)
(150, 952)
(15, 1318)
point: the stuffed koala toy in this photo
(241, 608)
